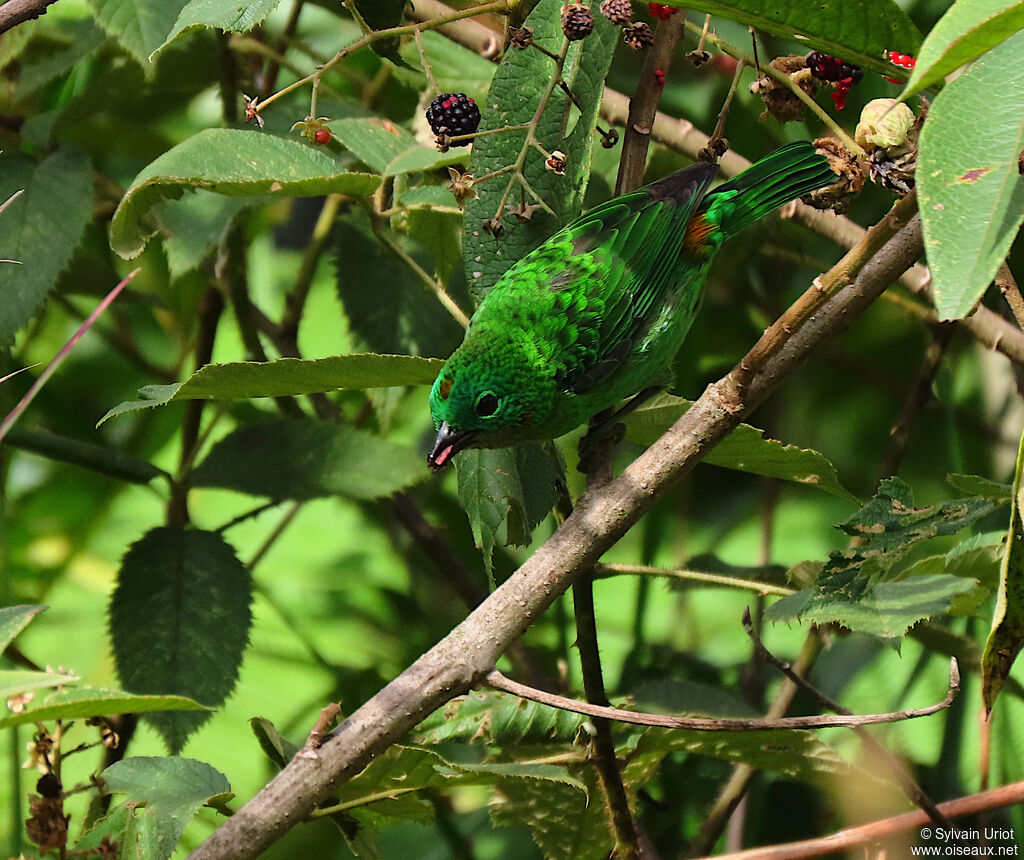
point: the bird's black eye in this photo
(486, 404)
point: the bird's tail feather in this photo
(779, 177)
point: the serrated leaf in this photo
(140, 26)
(81, 702)
(1007, 634)
(388, 148)
(41, 229)
(798, 755)
(745, 449)
(852, 589)
(506, 492)
(172, 789)
(235, 163)
(970, 191)
(179, 621)
(14, 619)
(13, 682)
(967, 30)
(288, 459)
(563, 821)
(287, 376)
(859, 33)
(497, 719)
(512, 99)
(227, 15)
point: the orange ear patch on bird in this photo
(697, 232)
(446, 387)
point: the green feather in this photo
(597, 312)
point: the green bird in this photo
(597, 312)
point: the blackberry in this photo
(825, 67)
(453, 114)
(638, 36)
(619, 12)
(577, 22)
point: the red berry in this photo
(661, 11)
(321, 137)
(659, 76)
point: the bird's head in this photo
(485, 398)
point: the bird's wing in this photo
(635, 241)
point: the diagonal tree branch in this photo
(463, 659)
(15, 12)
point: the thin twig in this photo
(903, 777)
(427, 70)
(868, 834)
(602, 745)
(604, 571)
(495, 679)
(1011, 292)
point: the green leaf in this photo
(288, 376)
(745, 449)
(163, 795)
(288, 459)
(14, 682)
(14, 619)
(278, 748)
(506, 492)
(41, 229)
(852, 589)
(389, 149)
(108, 461)
(179, 621)
(397, 314)
(513, 99)
(141, 26)
(456, 69)
(234, 163)
(81, 702)
(498, 719)
(798, 755)
(228, 15)
(859, 33)
(195, 225)
(975, 485)
(1007, 634)
(971, 192)
(382, 15)
(967, 30)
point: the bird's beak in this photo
(448, 443)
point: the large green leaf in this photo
(745, 449)
(82, 702)
(971, 190)
(1007, 634)
(506, 492)
(179, 621)
(228, 15)
(141, 26)
(287, 459)
(236, 163)
(854, 588)
(39, 230)
(163, 795)
(967, 30)
(287, 376)
(512, 99)
(194, 226)
(858, 32)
